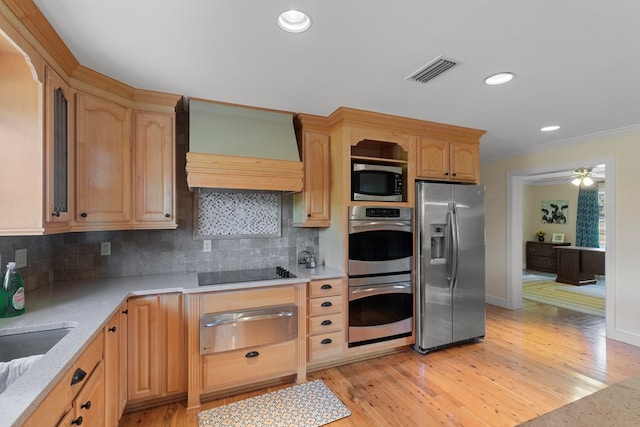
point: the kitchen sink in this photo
(29, 343)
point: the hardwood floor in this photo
(531, 361)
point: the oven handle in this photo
(248, 318)
(380, 225)
(358, 292)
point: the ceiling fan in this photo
(583, 177)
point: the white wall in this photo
(623, 251)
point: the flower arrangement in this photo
(540, 233)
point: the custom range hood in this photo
(241, 148)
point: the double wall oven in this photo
(379, 268)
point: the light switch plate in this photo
(206, 246)
(21, 258)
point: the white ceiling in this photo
(576, 61)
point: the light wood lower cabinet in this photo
(115, 363)
(325, 323)
(216, 372)
(80, 393)
(156, 348)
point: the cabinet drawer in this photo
(326, 346)
(542, 262)
(59, 400)
(216, 302)
(541, 249)
(233, 368)
(322, 288)
(323, 324)
(328, 305)
(89, 404)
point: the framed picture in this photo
(554, 211)
(557, 238)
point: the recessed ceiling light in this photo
(499, 78)
(550, 128)
(294, 21)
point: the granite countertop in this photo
(86, 305)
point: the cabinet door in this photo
(59, 154)
(115, 362)
(174, 345)
(143, 348)
(103, 159)
(154, 159)
(433, 158)
(464, 161)
(156, 355)
(316, 189)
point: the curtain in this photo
(588, 218)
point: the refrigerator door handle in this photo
(449, 247)
(455, 247)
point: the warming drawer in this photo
(248, 328)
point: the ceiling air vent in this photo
(432, 70)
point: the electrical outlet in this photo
(105, 248)
(21, 258)
(206, 246)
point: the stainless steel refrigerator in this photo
(450, 288)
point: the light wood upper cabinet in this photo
(311, 206)
(154, 160)
(103, 164)
(157, 363)
(115, 361)
(59, 154)
(444, 160)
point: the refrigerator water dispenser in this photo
(437, 233)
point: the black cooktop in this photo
(234, 276)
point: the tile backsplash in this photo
(72, 256)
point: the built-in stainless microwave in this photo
(376, 182)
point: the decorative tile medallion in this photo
(238, 215)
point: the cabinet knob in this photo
(77, 421)
(325, 286)
(326, 322)
(126, 311)
(326, 341)
(86, 405)
(326, 304)
(78, 376)
(308, 215)
(446, 173)
(83, 215)
(252, 354)
(56, 214)
(112, 329)
(167, 215)
(454, 174)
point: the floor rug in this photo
(585, 299)
(310, 404)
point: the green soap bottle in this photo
(12, 293)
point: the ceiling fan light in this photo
(294, 21)
(576, 182)
(499, 78)
(587, 181)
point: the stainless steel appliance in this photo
(380, 308)
(250, 328)
(379, 267)
(450, 288)
(380, 240)
(376, 182)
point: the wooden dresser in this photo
(542, 256)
